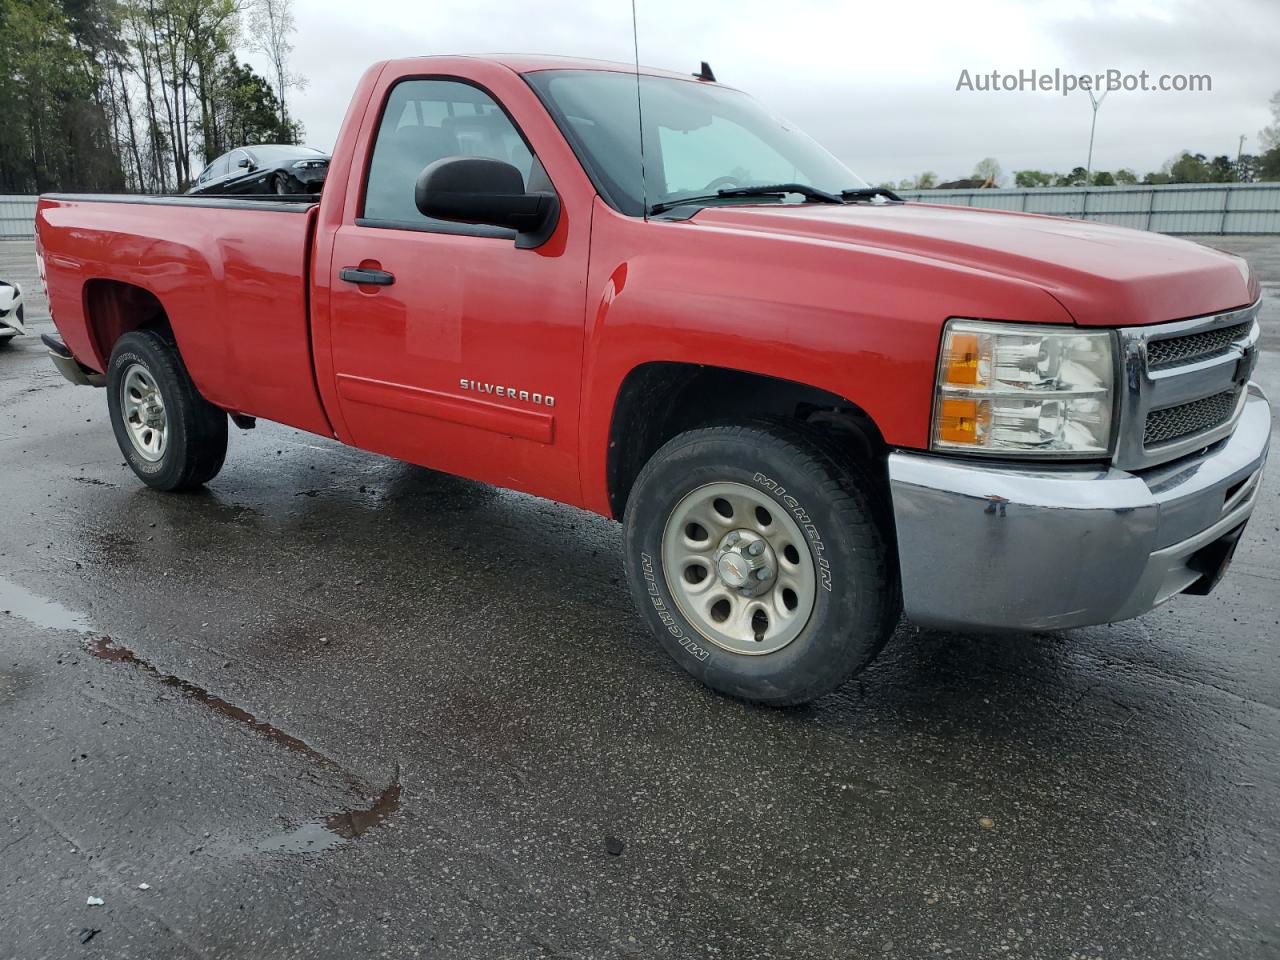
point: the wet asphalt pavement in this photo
(337, 706)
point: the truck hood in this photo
(1103, 275)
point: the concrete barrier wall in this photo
(17, 217)
(1208, 208)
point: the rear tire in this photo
(171, 436)
(784, 621)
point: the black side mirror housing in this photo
(485, 191)
(245, 162)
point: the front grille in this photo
(1198, 416)
(1164, 365)
(1194, 346)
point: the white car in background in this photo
(10, 311)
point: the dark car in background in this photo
(267, 168)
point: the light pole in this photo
(1097, 102)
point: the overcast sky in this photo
(874, 82)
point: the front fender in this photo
(862, 323)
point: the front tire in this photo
(171, 436)
(762, 558)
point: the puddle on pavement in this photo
(317, 835)
(36, 610)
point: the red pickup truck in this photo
(812, 406)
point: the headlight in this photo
(1006, 388)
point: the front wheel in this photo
(172, 437)
(762, 559)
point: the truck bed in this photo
(291, 203)
(229, 273)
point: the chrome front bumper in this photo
(983, 546)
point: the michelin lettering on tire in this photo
(664, 614)
(806, 524)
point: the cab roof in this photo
(533, 63)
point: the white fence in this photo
(1222, 208)
(17, 217)
(1237, 208)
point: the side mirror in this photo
(484, 191)
(245, 162)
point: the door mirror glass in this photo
(244, 162)
(481, 190)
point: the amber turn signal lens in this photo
(958, 420)
(960, 364)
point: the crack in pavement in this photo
(346, 824)
(104, 648)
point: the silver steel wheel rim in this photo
(145, 418)
(716, 578)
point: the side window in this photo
(218, 168)
(425, 120)
(233, 161)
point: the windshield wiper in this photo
(768, 189)
(869, 193)
(811, 194)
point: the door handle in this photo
(379, 278)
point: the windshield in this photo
(698, 138)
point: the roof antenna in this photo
(635, 40)
(705, 73)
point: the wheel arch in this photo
(659, 399)
(113, 308)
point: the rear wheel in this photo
(171, 436)
(762, 559)
(280, 185)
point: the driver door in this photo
(451, 347)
